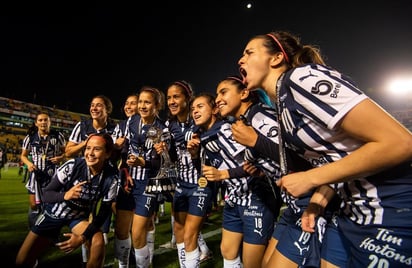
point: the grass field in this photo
(14, 228)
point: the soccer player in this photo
(142, 166)
(100, 110)
(42, 152)
(188, 216)
(247, 221)
(70, 199)
(355, 147)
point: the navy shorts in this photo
(333, 245)
(144, 203)
(50, 227)
(376, 245)
(193, 199)
(255, 221)
(301, 247)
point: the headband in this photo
(185, 86)
(280, 46)
(236, 79)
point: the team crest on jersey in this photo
(215, 162)
(53, 141)
(66, 170)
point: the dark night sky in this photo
(64, 52)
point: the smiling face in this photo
(130, 105)
(177, 102)
(228, 98)
(147, 106)
(98, 109)
(95, 152)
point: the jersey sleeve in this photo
(75, 135)
(324, 94)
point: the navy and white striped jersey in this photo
(181, 134)
(140, 145)
(263, 118)
(119, 130)
(102, 186)
(314, 99)
(223, 152)
(84, 128)
(41, 150)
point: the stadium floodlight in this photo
(400, 87)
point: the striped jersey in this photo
(119, 132)
(84, 128)
(102, 186)
(314, 99)
(264, 120)
(181, 133)
(140, 145)
(221, 151)
(41, 150)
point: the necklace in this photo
(282, 150)
(42, 142)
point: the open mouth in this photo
(243, 74)
(220, 105)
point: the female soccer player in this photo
(42, 152)
(140, 159)
(247, 221)
(354, 145)
(70, 199)
(187, 214)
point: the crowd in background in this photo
(289, 130)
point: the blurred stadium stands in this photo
(17, 116)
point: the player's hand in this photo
(74, 192)
(244, 134)
(160, 147)
(214, 174)
(252, 170)
(135, 161)
(70, 244)
(295, 184)
(193, 145)
(309, 217)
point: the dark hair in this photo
(107, 102)
(237, 81)
(295, 53)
